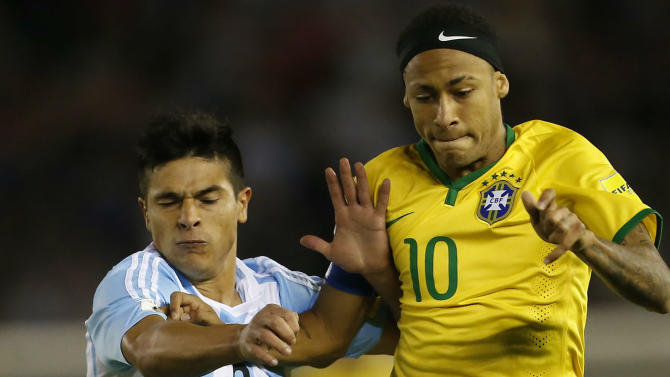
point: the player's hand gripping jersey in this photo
(477, 298)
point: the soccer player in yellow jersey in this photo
(493, 281)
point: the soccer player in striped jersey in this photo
(492, 281)
(238, 316)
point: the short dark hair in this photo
(457, 18)
(176, 135)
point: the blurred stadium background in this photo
(303, 83)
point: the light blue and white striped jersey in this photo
(145, 280)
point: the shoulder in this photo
(134, 276)
(401, 165)
(297, 290)
(548, 134)
(265, 269)
(393, 157)
(544, 140)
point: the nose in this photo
(189, 216)
(446, 112)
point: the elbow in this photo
(149, 367)
(661, 306)
(335, 351)
(138, 352)
(665, 307)
(326, 360)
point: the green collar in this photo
(454, 186)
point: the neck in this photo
(221, 288)
(494, 152)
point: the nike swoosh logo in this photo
(445, 38)
(388, 224)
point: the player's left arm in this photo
(634, 268)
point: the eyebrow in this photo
(174, 196)
(208, 190)
(451, 82)
(458, 79)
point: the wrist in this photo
(586, 241)
(238, 345)
(383, 272)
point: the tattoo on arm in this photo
(634, 268)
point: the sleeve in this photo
(298, 292)
(586, 183)
(347, 282)
(129, 293)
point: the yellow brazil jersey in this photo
(477, 298)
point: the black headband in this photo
(429, 39)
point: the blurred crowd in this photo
(302, 83)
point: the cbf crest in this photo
(497, 199)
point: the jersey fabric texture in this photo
(144, 280)
(477, 298)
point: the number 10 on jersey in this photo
(429, 257)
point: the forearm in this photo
(327, 329)
(635, 270)
(172, 348)
(386, 284)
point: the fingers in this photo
(346, 191)
(317, 244)
(176, 310)
(334, 189)
(293, 321)
(348, 185)
(531, 206)
(555, 254)
(547, 199)
(255, 350)
(554, 224)
(383, 195)
(272, 327)
(362, 187)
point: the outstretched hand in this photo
(360, 244)
(557, 225)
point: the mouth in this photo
(450, 140)
(191, 243)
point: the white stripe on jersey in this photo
(129, 278)
(154, 279)
(141, 278)
(90, 359)
(294, 276)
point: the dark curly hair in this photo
(176, 135)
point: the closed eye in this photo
(463, 93)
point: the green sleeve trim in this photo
(627, 227)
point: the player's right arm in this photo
(159, 347)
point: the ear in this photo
(501, 83)
(405, 100)
(243, 199)
(143, 207)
